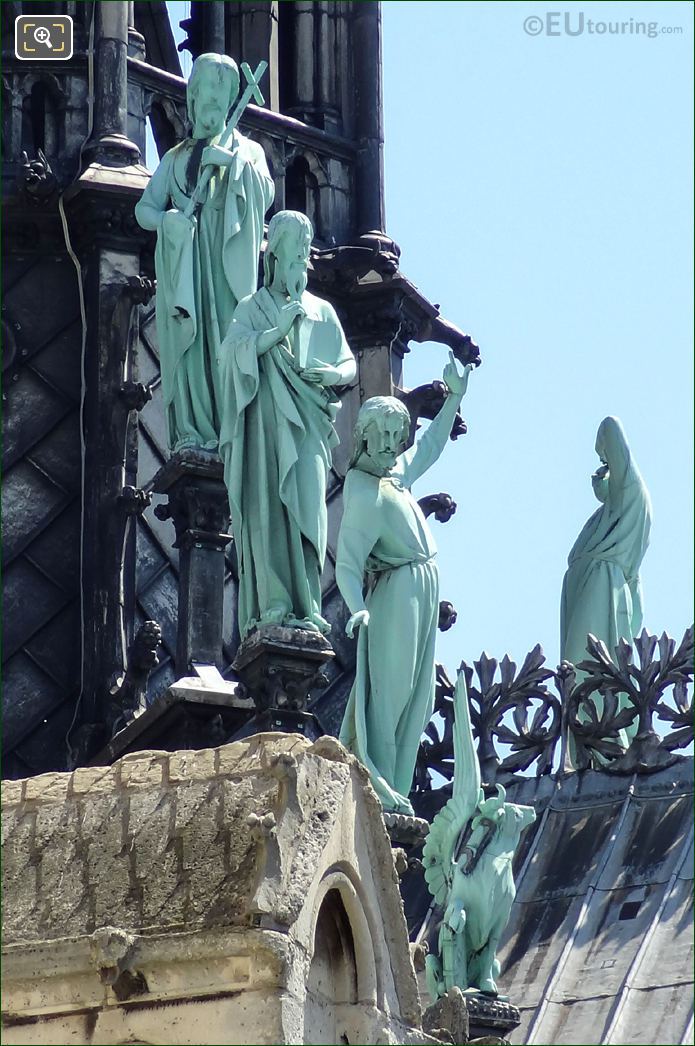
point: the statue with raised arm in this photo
(601, 592)
(467, 859)
(281, 362)
(385, 541)
(206, 201)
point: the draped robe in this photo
(276, 439)
(203, 270)
(601, 590)
(384, 537)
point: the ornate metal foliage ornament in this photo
(518, 721)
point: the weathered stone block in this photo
(47, 787)
(214, 895)
(59, 850)
(228, 757)
(11, 792)
(192, 766)
(142, 770)
(92, 779)
(108, 862)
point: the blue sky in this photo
(540, 188)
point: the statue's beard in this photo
(211, 119)
(298, 286)
(293, 285)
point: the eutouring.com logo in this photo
(575, 23)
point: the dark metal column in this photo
(109, 143)
(99, 208)
(205, 28)
(136, 41)
(198, 505)
(251, 35)
(369, 117)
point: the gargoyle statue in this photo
(128, 698)
(467, 858)
(36, 177)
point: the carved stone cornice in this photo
(280, 666)
(197, 502)
(101, 207)
(256, 118)
(378, 304)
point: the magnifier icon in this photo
(42, 36)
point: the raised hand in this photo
(288, 314)
(456, 380)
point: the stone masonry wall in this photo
(196, 880)
(125, 846)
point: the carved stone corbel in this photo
(447, 616)
(426, 401)
(441, 506)
(36, 179)
(113, 951)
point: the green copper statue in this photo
(601, 591)
(467, 858)
(208, 244)
(385, 541)
(284, 354)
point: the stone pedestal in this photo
(279, 666)
(198, 505)
(470, 1017)
(404, 830)
(191, 714)
(284, 721)
(490, 1017)
(447, 1018)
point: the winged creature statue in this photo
(468, 868)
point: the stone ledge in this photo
(199, 880)
(174, 966)
(170, 841)
(150, 769)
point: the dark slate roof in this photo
(599, 946)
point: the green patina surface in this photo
(385, 541)
(601, 591)
(468, 868)
(283, 356)
(206, 258)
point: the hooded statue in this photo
(601, 592)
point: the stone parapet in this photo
(232, 895)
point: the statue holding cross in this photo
(206, 201)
